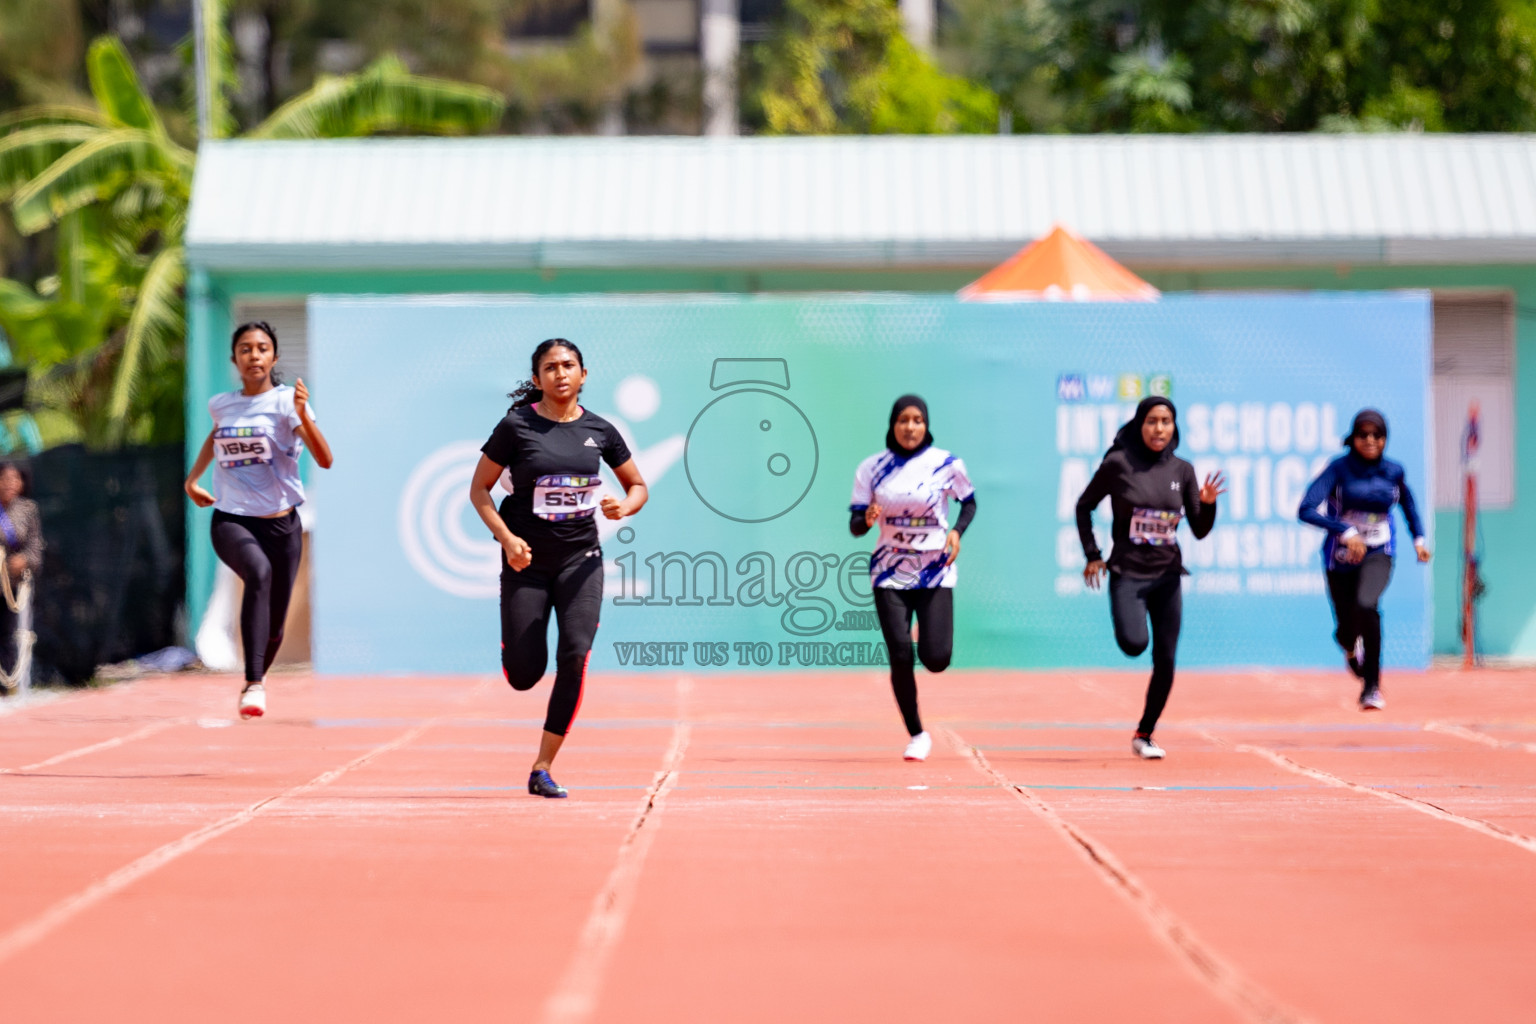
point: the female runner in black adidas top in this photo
(1149, 490)
(547, 529)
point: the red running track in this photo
(747, 849)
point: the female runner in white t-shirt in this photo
(258, 434)
(905, 491)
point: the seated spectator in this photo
(21, 542)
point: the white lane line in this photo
(1462, 732)
(575, 997)
(30, 932)
(1486, 828)
(116, 741)
(1224, 979)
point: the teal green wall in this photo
(1507, 615)
(208, 322)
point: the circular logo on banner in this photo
(433, 506)
(751, 455)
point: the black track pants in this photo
(1355, 592)
(1132, 603)
(9, 653)
(264, 553)
(935, 611)
(575, 594)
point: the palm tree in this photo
(117, 186)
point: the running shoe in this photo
(540, 784)
(919, 748)
(253, 701)
(1144, 748)
(1372, 700)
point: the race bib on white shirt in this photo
(243, 446)
(914, 496)
(562, 497)
(913, 533)
(1155, 526)
(1375, 528)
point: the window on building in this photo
(667, 26)
(548, 19)
(757, 18)
(1474, 353)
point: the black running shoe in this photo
(1355, 668)
(540, 784)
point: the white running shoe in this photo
(919, 748)
(1143, 747)
(253, 701)
(1372, 700)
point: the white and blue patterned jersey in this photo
(256, 449)
(913, 494)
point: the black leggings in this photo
(265, 554)
(1132, 602)
(1355, 592)
(575, 594)
(9, 653)
(935, 610)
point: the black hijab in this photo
(1366, 418)
(907, 402)
(1129, 436)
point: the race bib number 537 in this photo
(561, 497)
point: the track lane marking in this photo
(1478, 825)
(1221, 977)
(29, 933)
(575, 997)
(116, 741)
(1463, 732)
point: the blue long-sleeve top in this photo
(1356, 497)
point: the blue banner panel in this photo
(747, 417)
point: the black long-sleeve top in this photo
(1147, 497)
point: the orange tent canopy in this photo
(1061, 266)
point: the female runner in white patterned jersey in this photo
(905, 491)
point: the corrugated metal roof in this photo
(1151, 200)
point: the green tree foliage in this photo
(40, 49)
(104, 337)
(844, 66)
(1254, 65)
(556, 85)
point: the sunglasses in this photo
(1371, 435)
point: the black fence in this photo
(113, 585)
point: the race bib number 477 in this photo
(242, 446)
(918, 533)
(561, 497)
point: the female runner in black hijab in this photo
(1150, 489)
(904, 492)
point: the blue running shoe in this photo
(540, 784)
